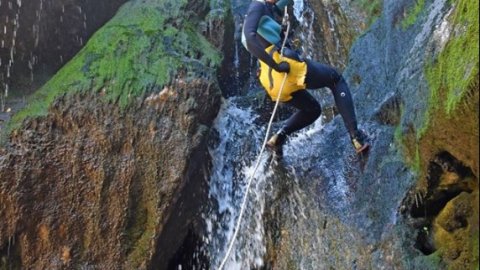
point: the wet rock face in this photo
(91, 185)
(235, 74)
(333, 32)
(412, 202)
(94, 182)
(41, 36)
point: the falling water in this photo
(26, 61)
(305, 17)
(36, 37)
(10, 30)
(233, 162)
(233, 158)
(333, 238)
(336, 38)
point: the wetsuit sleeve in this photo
(250, 25)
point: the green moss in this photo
(435, 259)
(427, 120)
(397, 135)
(455, 70)
(403, 141)
(142, 48)
(413, 14)
(141, 248)
(454, 73)
(417, 162)
(373, 9)
(475, 250)
(451, 119)
(291, 265)
(136, 227)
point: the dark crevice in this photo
(390, 112)
(181, 237)
(190, 255)
(436, 201)
(446, 178)
(10, 257)
(424, 242)
(461, 221)
(438, 193)
(450, 164)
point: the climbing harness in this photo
(286, 22)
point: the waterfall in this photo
(233, 161)
(239, 141)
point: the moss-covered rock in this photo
(415, 88)
(143, 48)
(106, 167)
(451, 126)
(413, 13)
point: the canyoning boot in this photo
(275, 144)
(359, 141)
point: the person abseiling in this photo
(262, 36)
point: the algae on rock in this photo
(109, 161)
(143, 48)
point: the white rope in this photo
(244, 202)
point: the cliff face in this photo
(331, 31)
(92, 185)
(108, 164)
(412, 203)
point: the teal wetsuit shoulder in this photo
(269, 29)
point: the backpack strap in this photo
(270, 77)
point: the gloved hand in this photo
(283, 67)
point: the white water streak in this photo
(305, 16)
(232, 165)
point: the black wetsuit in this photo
(318, 76)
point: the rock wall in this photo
(412, 202)
(111, 172)
(107, 167)
(332, 32)
(90, 185)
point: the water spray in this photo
(286, 22)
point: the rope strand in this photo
(244, 202)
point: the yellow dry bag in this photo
(271, 80)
